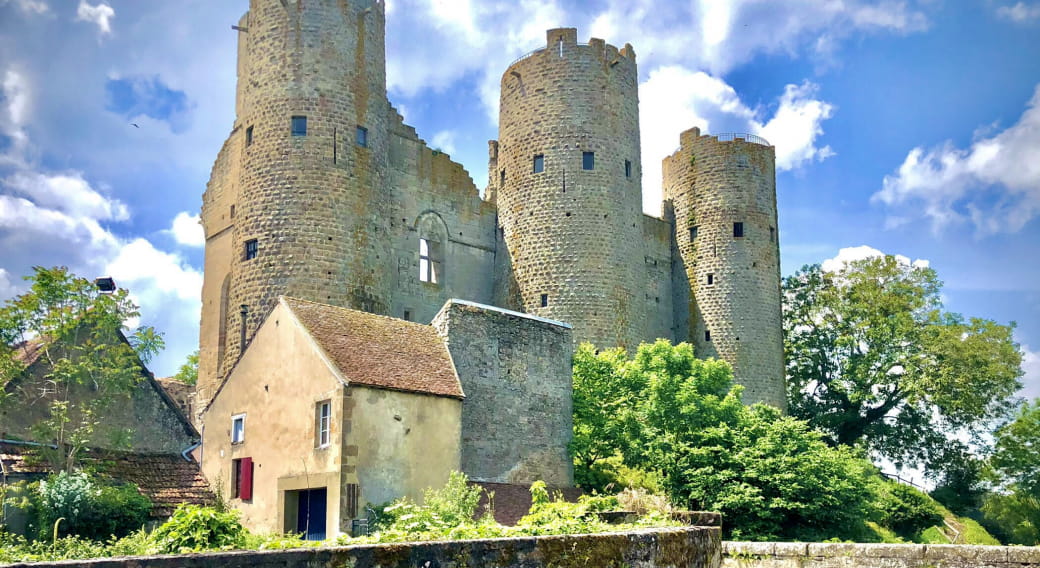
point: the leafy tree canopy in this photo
(189, 371)
(873, 359)
(668, 412)
(89, 364)
(1017, 455)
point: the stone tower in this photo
(723, 190)
(293, 205)
(568, 189)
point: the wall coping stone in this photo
(969, 554)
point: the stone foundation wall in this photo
(843, 555)
(691, 547)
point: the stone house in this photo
(330, 409)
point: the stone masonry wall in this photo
(575, 235)
(844, 555)
(434, 198)
(735, 311)
(690, 547)
(515, 371)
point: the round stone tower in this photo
(723, 190)
(568, 186)
(293, 205)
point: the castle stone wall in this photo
(734, 280)
(434, 198)
(574, 235)
(658, 301)
(515, 371)
(851, 555)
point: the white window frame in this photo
(324, 437)
(242, 433)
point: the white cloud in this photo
(13, 116)
(99, 15)
(674, 99)
(187, 230)
(994, 184)
(28, 6)
(1020, 12)
(7, 287)
(1031, 370)
(862, 252)
(797, 124)
(68, 193)
(444, 141)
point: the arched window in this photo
(433, 240)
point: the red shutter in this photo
(246, 491)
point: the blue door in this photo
(310, 516)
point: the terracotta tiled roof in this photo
(167, 479)
(514, 501)
(380, 351)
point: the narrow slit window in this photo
(252, 249)
(693, 234)
(502, 177)
(407, 315)
(707, 335)
(323, 433)
(249, 136)
(545, 300)
(539, 164)
(362, 136)
(711, 279)
(588, 160)
(299, 126)
(738, 229)
(772, 234)
(429, 261)
(628, 168)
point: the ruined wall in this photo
(434, 198)
(734, 309)
(657, 298)
(515, 370)
(574, 235)
(689, 547)
(847, 555)
(315, 203)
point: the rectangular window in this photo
(588, 160)
(242, 478)
(693, 234)
(238, 428)
(545, 300)
(772, 234)
(407, 315)
(429, 261)
(362, 136)
(711, 279)
(249, 136)
(707, 335)
(539, 164)
(323, 416)
(738, 229)
(502, 177)
(299, 126)
(252, 248)
(628, 168)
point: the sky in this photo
(907, 127)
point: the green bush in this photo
(906, 510)
(88, 507)
(194, 529)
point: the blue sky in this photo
(906, 127)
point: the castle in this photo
(321, 192)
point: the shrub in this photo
(88, 507)
(906, 510)
(193, 529)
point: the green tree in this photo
(873, 359)
(1017, 451)
(89, 364)
(189, 371)
(668, 412)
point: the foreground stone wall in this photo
(690, 547)
(841, 555)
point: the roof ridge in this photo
(391, 318)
